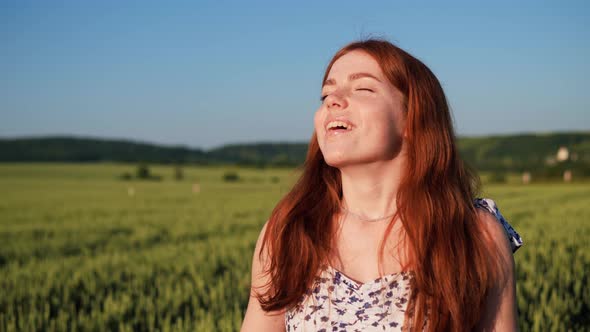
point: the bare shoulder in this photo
(496, 231)
(502, 249)
(500, 312)
(256, 319)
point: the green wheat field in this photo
(81, 249)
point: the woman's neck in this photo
(370, 190)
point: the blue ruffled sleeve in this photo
(513, 236)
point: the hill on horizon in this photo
(516, 152)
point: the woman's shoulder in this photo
(496, 217)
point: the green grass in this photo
(78, 252)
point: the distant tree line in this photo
(525, 152)
(510, 153)
(74, 149)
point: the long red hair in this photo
(454, 270)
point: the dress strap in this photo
(488, 204)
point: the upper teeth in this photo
(335, 124)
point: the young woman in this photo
(383, 231)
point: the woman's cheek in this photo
(317, 122)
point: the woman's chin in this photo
(340, 159)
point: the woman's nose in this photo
(335, 101)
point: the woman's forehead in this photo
(354, 62)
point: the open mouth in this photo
(338, 126)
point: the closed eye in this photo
(322, 98)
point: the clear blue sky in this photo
(203, 74)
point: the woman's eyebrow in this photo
(351, 77)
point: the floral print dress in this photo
(338, 303)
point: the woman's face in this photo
(358, 96)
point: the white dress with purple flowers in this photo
(338, 303)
